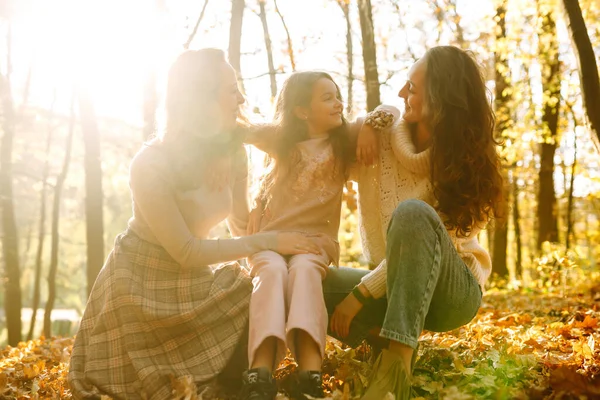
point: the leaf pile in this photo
(521, 345)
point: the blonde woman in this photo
(157, 309)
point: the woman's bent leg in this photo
(428, 284)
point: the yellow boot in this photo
(389, 376)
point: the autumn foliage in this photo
(523, 344)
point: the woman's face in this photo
(229, 97)
(413, 93)
(325, 111)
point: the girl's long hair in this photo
(297, 91)
(465, 166)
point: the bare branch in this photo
(289, 39)
(186, 45)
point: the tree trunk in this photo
(349, 56)
(287, 34)
(571, 189)
(588, 68)
(42, 229)
(235, 38)
(10, 238)
(502, 99)
(60, 182)
(93, 189)
(369, 50)
(499, 264)
(268, 47)
(551, 81)
(517, 227)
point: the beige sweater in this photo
(180, 220)
(402, 174)
(310, 199)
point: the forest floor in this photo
(523, 344)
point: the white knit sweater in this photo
(402, 174)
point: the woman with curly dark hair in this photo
(437, 184)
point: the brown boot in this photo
(389, 376)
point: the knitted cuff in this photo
(379, 119)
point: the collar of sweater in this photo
(406, 152)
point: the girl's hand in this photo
(289, 243)
(344, 314)
(254, 220)
(367, 145)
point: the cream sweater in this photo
(402, 174)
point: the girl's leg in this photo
(266, 342)
(307, 317)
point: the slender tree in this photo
(502, 106)
(58, 187)
(235, 37)
(551, 82)
(93, 188)
(42, 226)
(588, 66)
(369, 51)
(10, 237)
(268, 46)
(186, 45)
(345, 6)
(517, 226)
(290, 49)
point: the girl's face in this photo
(325, 110)
(413, 93)
(229, 97)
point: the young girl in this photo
(309, 149)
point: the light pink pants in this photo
(287, 287)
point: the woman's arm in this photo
(375, 281)
(261, 136)
(237, 221)
(154, 197)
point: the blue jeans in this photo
(428, 284)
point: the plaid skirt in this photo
(148, 320)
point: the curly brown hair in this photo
(297, 91)
(465, 166)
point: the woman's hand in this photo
(344, 314)
(289, 243)
(254, 220)
(367, 145)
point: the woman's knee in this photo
(412, 214)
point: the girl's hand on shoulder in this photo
(343, 315)
(367, 145)
(290, 243)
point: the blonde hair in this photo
(192, 90)
(193, 136)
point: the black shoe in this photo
(258, 384)
(308, 383)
